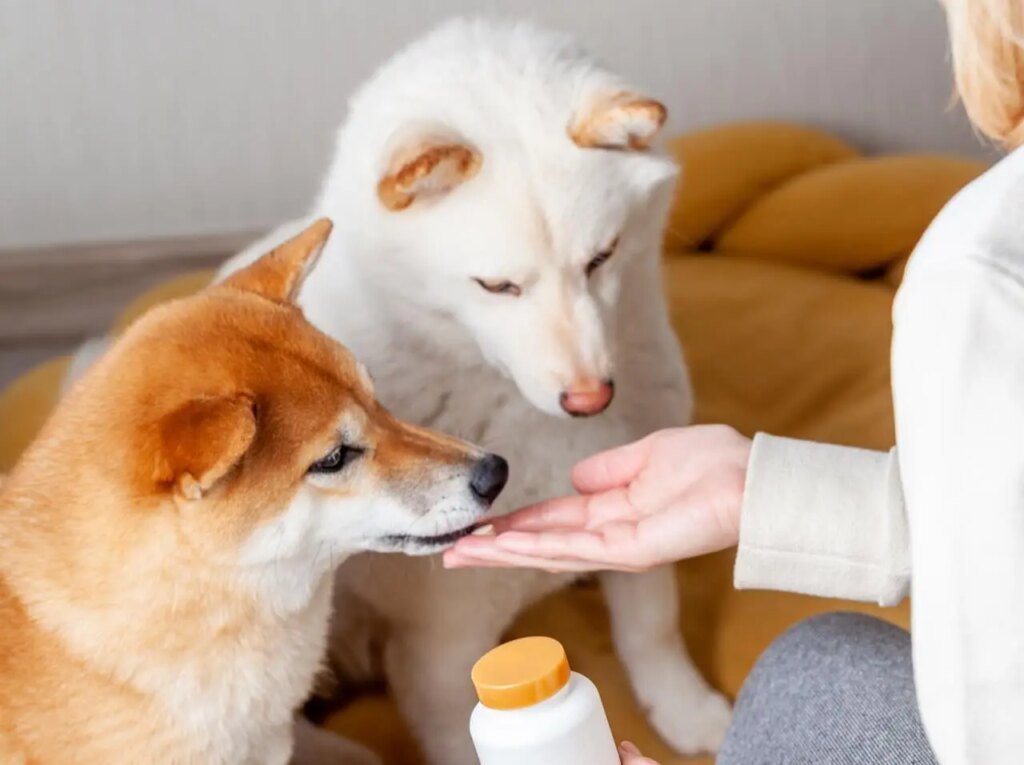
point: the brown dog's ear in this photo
(426, 167)
(618, 121)
(202, 441)
(279, 274)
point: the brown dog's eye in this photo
(601, 257)
(336, 459)
(500, 287)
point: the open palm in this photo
(672, 495)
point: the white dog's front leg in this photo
(315, 746)
(690, 715)
(428, 672)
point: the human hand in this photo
(631, 755)
(672, 495)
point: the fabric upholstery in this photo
(783, 251)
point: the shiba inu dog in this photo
(168, 543)
(497, 268)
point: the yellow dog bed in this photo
(783, 252)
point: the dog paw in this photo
(693, 725)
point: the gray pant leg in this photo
(837, 689)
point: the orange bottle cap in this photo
(521, 673)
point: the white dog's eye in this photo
(601, 257)
(501, 287)
(335, 459)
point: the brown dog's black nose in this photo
(489, 477)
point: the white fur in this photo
(242, 711)
(398, 288)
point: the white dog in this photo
(496, 266)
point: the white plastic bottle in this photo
(534, 710)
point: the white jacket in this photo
(947, 506)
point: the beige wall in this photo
(134, 118)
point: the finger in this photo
(589, 511)
(496, 558)
(463, 563)
(611, 469)
(572, 557)
(636, 759)
(576, 545)
(630, 755)
(452, 558)
(561, 513)
(488, 548)
(457, 559)
(613, 548)
(469, 561)
(568, 551)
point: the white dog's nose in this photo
(587, 397)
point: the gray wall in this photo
(136, 118)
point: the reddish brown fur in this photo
(398, 189)
(198, 425)
(592, 128)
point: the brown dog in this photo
(167, 544)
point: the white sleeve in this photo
(958, 385)
(823, 520)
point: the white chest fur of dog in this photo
(496, 266)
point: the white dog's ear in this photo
(617, 120)
(425, 166)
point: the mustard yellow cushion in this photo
(769, 226)
(787, 350)
(26, 403)
(179, 286)
(853, 216)
(24, 406)
(725, 169)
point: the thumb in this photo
(611, 469)
(631, 755)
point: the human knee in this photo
(836, 634)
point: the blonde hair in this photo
(987, 39)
